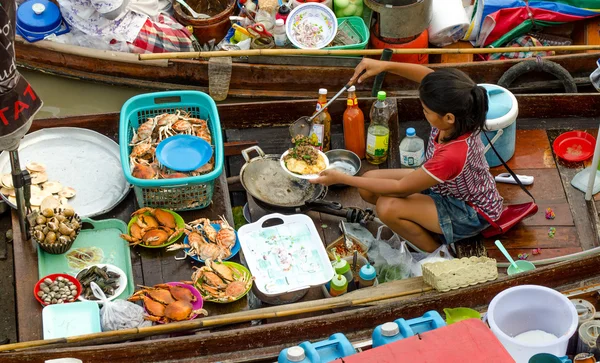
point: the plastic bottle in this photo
(412, 150)
(283, 12)
(354, 125)
(366, 276)
(266, 19)
(386, 333)
(378, 133)
(321, 125)
(293, 354)
(342, 267)
(281, 39)
(338, 285)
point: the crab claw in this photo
(142, 210)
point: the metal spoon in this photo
(194, 14)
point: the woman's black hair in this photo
(452, 91)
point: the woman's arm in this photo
(413, 72)
(414, 182)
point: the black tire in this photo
(541, 65)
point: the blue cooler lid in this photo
(38, 16)
(499, 101)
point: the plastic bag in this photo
(119, 314)
(441, 254)
(391, 258)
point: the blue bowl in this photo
(184, 152)
(234, 250)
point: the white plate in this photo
(112, 268)
(306, 176)
(318, 15)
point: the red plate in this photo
(574, 146)
(53, 277)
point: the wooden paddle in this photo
(362, 52)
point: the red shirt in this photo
(463, 172)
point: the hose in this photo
(539, 65)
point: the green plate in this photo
(241, 268)
(103, 242)
(178, 220)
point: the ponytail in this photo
(452, 91)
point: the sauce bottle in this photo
(378, 133)
(366, 276)
(354, 125)
(338, 285)
(342, 267)
(283, 12)
(321, 125)
(279, 34)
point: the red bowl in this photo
(53, 277)
(574, 146)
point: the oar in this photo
(505, 253)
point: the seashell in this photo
(67, 192)
(7, 181)
(53, 187)
(50, 237)
(45, 229)
(63, 229)
(75, 225)
(41, 220)
(35, 190)
(35, 167)
(61, 218)
(36, 200)
(68, 212)
(53, 226)
(63, 201)
(45, 193)
(7, 191)
(39, 235)
(49, 203)
(64, 239)
(37, 178)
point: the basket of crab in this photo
(151, 120)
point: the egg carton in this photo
(453, 274)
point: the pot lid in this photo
(500, 102)
(38, 16)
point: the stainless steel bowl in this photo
(344, 161)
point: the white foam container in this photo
(530, 307)
(266, 250)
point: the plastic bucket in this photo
(530, 307)
(215, 27)
(500, 123)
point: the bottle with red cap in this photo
(283, 12)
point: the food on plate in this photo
(166, 303)
(79, 258)
(57, 291)
(107, 281)
(304, 160)
(308, 34)
(219, 282)
(152, 227)
(205, 242)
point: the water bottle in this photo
(412, 150)
(279, 34)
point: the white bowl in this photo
(111, 268)
(300, 176)
(316, 14)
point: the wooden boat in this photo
(271, 77)
(228, 334)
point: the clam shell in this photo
(52, 186)
(37, 178)
(49, 202)
(8, 192)
(67, 192)
(36, 200)
(35, 167)
(7, 181)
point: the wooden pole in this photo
(244, 316)
(362, 52)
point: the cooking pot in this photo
(274, 189)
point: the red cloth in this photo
(448, 159)
(164, 35)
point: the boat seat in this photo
(511, 215)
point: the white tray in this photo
(286, 257)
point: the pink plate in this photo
(197, 304)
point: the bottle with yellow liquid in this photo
(320, 132)
(378, 133)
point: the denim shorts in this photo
(457, 219)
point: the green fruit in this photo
(341, 3)
(350, 10)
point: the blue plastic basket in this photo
(175, 194)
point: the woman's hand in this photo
(371, 67)
(328, 177)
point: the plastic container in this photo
(420, 41)
(367, 276)
(378, 133)
(400, 329)
(281, 39)
(173, 194)
(359, 26)
(36, 19)
(344, 8)
(529, 307)
(342, 267)
(500, 121)
(283, 12)
(338, 285)
(215, 27)
(412, 150)
(337, 346)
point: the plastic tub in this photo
(500, 121)
(361, 28)
(530, 307)
(215, 27)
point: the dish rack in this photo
(453, 274)
(179, 194)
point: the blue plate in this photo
(184, 152)
(67, 320)
(234, 250)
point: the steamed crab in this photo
(207, 243)
(153, 227)
(166, 303)
(220, 282)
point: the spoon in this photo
(194, 14)
(505, 253)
